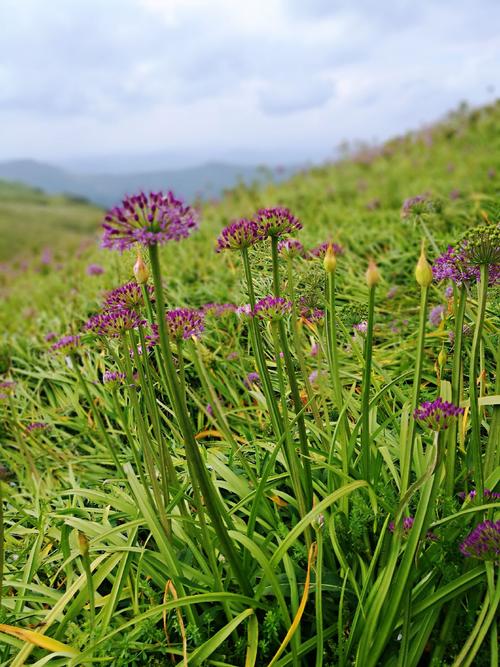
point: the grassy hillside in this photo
(314, 481)
(31, 220)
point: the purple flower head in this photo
(290, 248)
(481, 245)
(37, 426)
(114, 322)
(438, 414)
(149, 220)
(251, 379)
(94, 270)
(459, 263)
(448, 292)
(245, 310)
(276, 222)
(436, 315)
(483, 542)
(320, 250)
(312, 315)
(238, 235)
(487, 493)
(361, 327)
(185, 322)
(414, 206)
(128, 296)
(113, 378)
(50, 335)
(272, 308)
(66, 344)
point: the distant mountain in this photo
(205, 181)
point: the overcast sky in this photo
(216, 78)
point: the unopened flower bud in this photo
(442, 357)
(330, 260)
(372, 274)
(83, 543)
(423, 271)
(141, 272)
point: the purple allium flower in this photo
(94, 270)
(481, 245)
(150, 220)
(487, 493)
(66, 344)
(128, 296)
(483, 542)
(361, 327)
(113, 378)
(50, 335)
(238, 235)
(251, 379)
(320, 250)
(37, 426)
(438, 414)
(47, 257)
(448, 292)
(414, 206)
(460, 264)
(218, 309)
(276, 222)
(290, 248)
(272, 307)
(114, 322)
(466, 331)
(185, 322)
(436, 315)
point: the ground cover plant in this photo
(284, 452)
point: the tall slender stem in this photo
(475, 413)
(407, 458)
(365, 401)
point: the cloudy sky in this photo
(239, 79)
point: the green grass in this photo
(220, 553)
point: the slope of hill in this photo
(30, 220)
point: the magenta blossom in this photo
(291, 248)
(128, 296)
(438, 414)
(114, 322)
(276, 222)
(483, 542)
(238, 235)
(272, 307)
(185, 322)
(66, 344)
(94, 270)
(149, 220)
(320, 250)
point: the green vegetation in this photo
(31, 220)
(263, 492)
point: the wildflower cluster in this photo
(185, 322)
(128, 297)
(113, 378)
(483, 542)
(148, 219)
(114, 322)
(272, 307)
(320, 250)
(66, 344)
(267, 222)
(437, 414)
(291, 248)
(36, 426)
(276, 222)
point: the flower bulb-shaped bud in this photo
(330, 260)
(423, 270)
(141, 272)
(372, 274)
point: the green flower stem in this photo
(197, 468)
(455, 387)
(256, 340)
(298, 347)
(319, 599)
(2, 542)
(333, 360)
(475, 413)
(95, 414)
(292, 379)
(149, 457)
(290, 453)
(492, 456)
(407, 456)
(365, 399)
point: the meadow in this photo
(260, 430)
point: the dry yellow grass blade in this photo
(313, 549)
(170, 588)
(38, 639)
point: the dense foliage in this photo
(278, 453)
